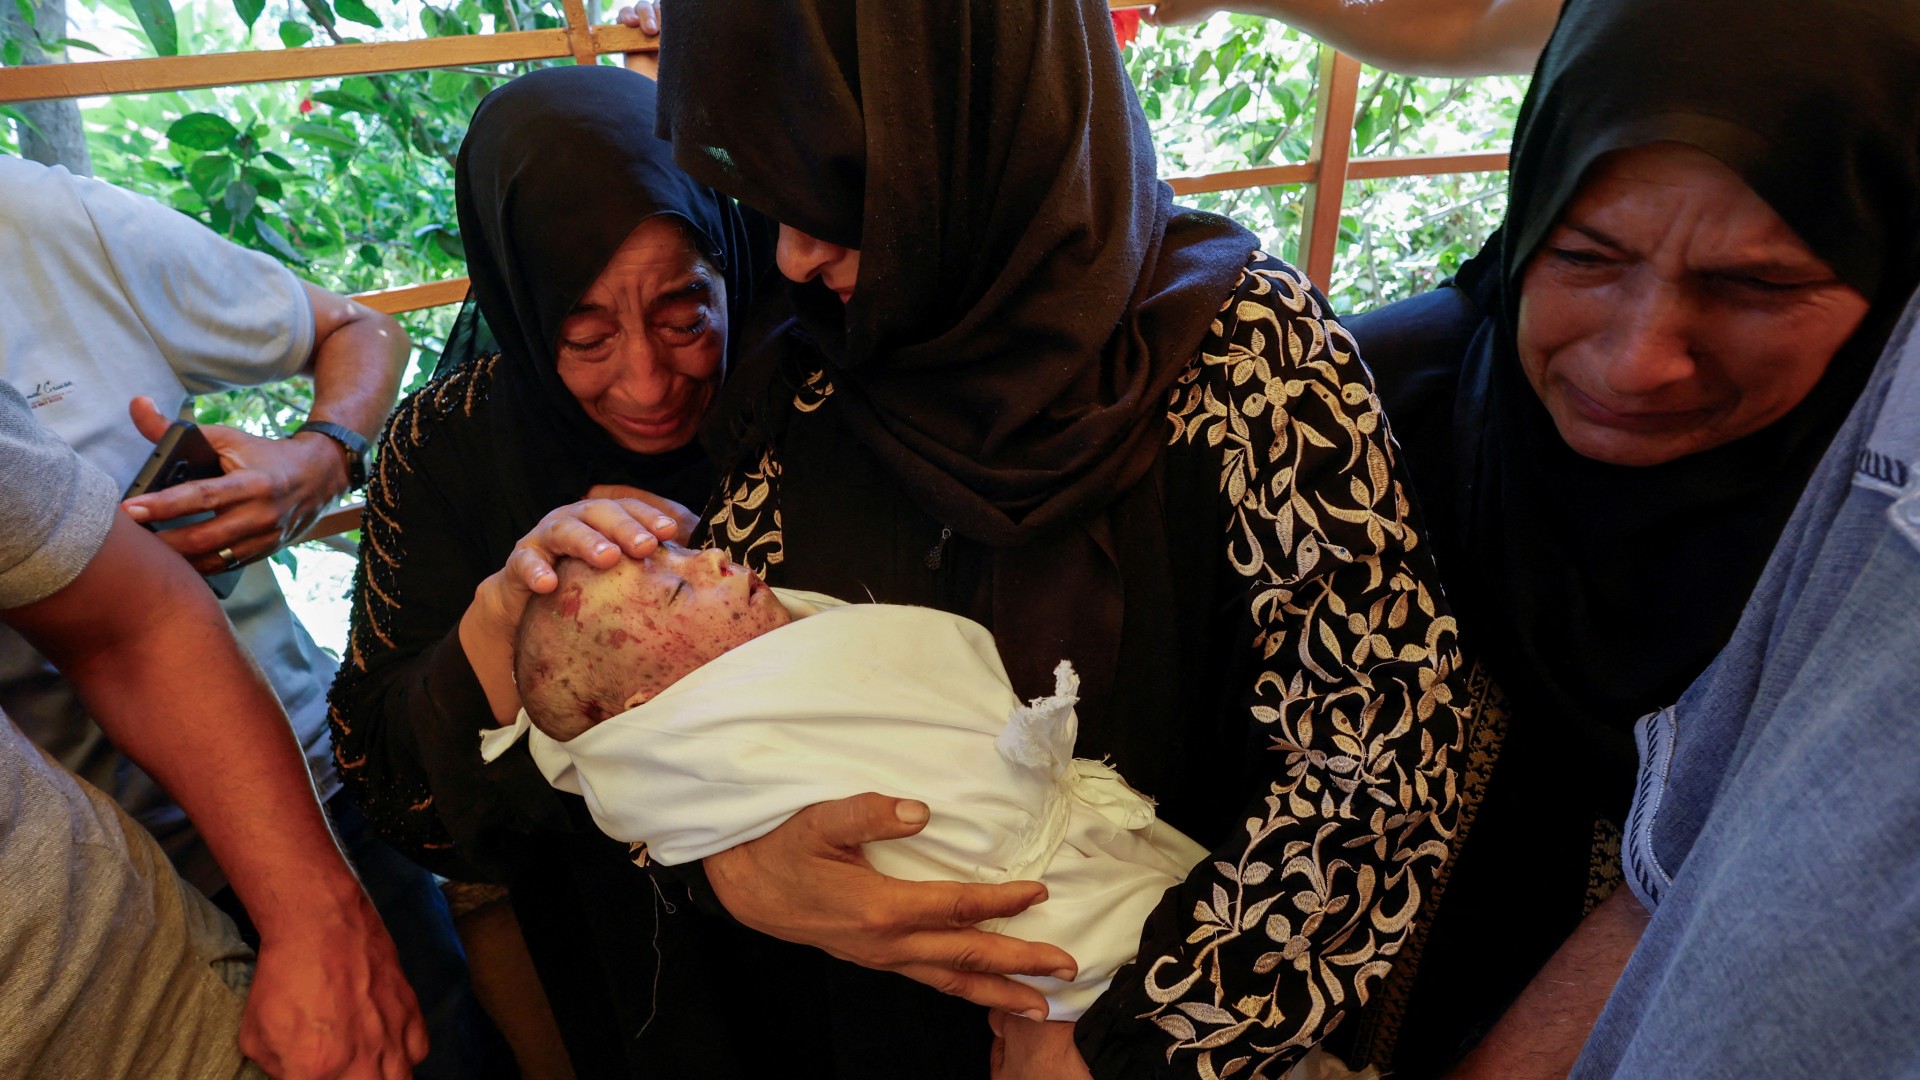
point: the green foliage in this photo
(162, 26)
(348, 180)
(1237, 92)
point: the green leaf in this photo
(294, 34)
(12, 52)
(276, 241)
(160, 24)
(447, 85)
(356, 11)
(249, 10)
(277, 161)
(28, 16)
(340, 99)
(267, 184)
(240, 200)
(210, 174)
(74, 43)
(203, 131)
(447, 240)
(324, 135)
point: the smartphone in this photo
(183, 454)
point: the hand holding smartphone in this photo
(183, 454)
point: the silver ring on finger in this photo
(228, 558)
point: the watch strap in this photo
(354, 443)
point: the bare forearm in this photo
(1415, 37)
(1541, 1035)
(358, 357)
(168, 683)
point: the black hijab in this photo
(1028, 292)
(558, 168)
(1600, 591)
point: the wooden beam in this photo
(416, 297)
(1266, 176)
(579, 31)
(1424, 165)
(1357, 169)
(332, 523)
(1336, 98)
(614, 38)
(90, 78)
(97, 77)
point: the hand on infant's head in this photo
(607, 640)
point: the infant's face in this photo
(665, 615)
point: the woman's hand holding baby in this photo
(614, 522)
(808, 882)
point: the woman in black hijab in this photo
(605, 363)
(1600, 552)
(1025, 387)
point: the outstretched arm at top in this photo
(1415, 37)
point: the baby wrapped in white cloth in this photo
(695, 709)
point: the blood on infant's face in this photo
(607, 640)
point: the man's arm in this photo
(1414, 37)
(157, 666)
(1541, 1035)
(274, 488)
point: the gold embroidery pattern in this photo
(1485, 710)
(813, 393)
(1361, 673)
(747, 522)
(402, 807)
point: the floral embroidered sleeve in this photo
(1293, 921)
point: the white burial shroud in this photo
(905, 701)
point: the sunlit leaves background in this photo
(350, 181)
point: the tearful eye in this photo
(589, 345)
(1580, 257)
(1762, 285)
(692, 329)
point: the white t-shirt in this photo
(110, 295)
(113, 968)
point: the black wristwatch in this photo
(351, 441)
